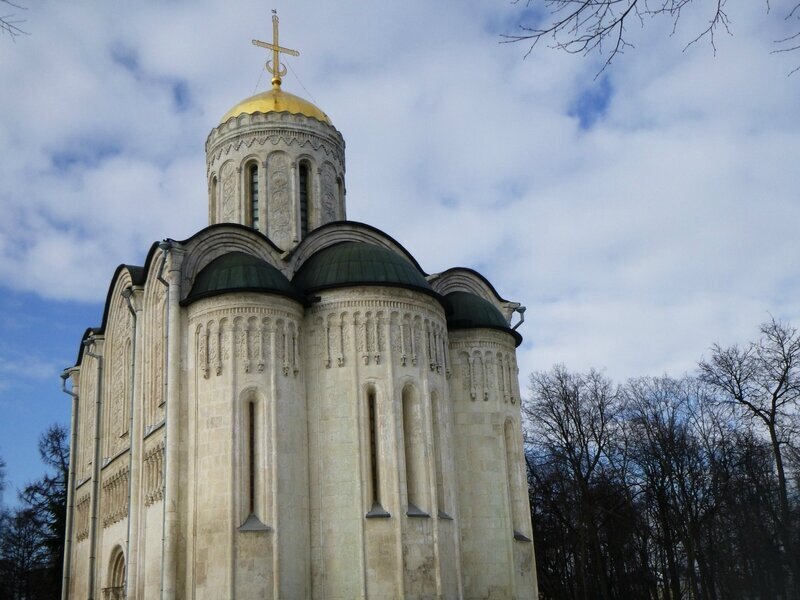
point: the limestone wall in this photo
(245, 386)
(497, 553)
(371, 350)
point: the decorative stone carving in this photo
(283, 336)
(280, 205)
(119, 382)
(90, 390)
(157, 363)
(82, 518)
(329, 192)
(258, 349)
(202, 350)
(416, 332)
(344, 341)
(295, 351)
(473, 378)
(242, 335)
(225, 341)
(115, 497)
(153, 482)
(229, 184)
(213, 348)
(327, 327)
(405, 335)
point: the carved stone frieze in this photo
(153, 477)
(115, 497)
(82, 517)
(394, 325)
(243, 336)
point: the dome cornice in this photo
(267, 125)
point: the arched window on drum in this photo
(304, 188)
(252, 187)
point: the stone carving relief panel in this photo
(153, 481)
(329, 202)
(118, 384)
(82, 518)
(115, 497)
(85, 441)
(280, 205)
(228, 198)
(156, 362)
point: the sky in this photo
(640, 215)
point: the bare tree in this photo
(574, 429)
(9, 24)
(583, 26)
(762, 380)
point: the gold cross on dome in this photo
(274, 66)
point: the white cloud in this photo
(635, 244)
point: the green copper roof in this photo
(468, 311)
(239, 272)
(357, 263)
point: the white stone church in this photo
(285, 405)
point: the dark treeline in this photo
(32, 533)
(669, 489)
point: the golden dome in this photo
(276, 100)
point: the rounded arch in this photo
(216, 240)
(345, 231)
(212, 198)
(308, 215)
(154, 326)
(463, 279)
(252, 183)
(116, 578)
(118, 364)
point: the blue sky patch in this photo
(30, 395)
(592, 103)
(180, 95)
(126, 58)
(83, 153)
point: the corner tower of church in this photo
(276, 163)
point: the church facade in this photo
(285, 405)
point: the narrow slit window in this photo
(254, 196)
(375, 487)
(251, 458)
(304, 196)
